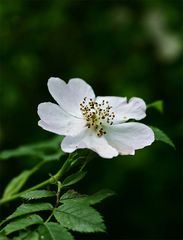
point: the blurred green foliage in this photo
(123, 48)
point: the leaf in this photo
(29, 208)
(161, 136)
(28, 235)
(74, 178)
(22, 223)
(72, 195)
(32, 236)
(16, 183)
(79, 217)
(37, 194)
(54, 231)
(53, 157)
(158, 105)
(3, 237)
(97, 197)
(19, 152)
(38, 150)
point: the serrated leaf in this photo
(161, 136)
(16, 183)
(38, 150)
(158, 105)
(37, 194)
(29, 208)
(97, 197)
(22, 223)
(79, 217)
(72, 195)
(74, 178)
(54, 231)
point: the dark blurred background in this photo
(123, 48)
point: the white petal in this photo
(127, 137)
(69, 96)
(89, 139)
(134, 109)
(115, 102)
(54, 119)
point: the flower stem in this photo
(59, 185)
(65, 167)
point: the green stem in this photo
(50, 180)
(59, 185)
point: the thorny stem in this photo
(65, 167)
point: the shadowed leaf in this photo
(54, 231)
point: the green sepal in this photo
(161, 136)
(158, 105)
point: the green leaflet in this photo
(28, 235)
(3, 237)
(161, 136)
(32, 236)
(29, 208)
(16, 183)
(38, 150)
(74, 178)
(22, 223)
(54, 231)
(73, 196)
(37, 194)
(158, 105)
(79, 217)
(99, 196)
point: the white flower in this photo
(97, 123)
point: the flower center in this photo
(97, 114)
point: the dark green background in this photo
(123, 48)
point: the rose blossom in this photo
(97, 123)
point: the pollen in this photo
(97, 115)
